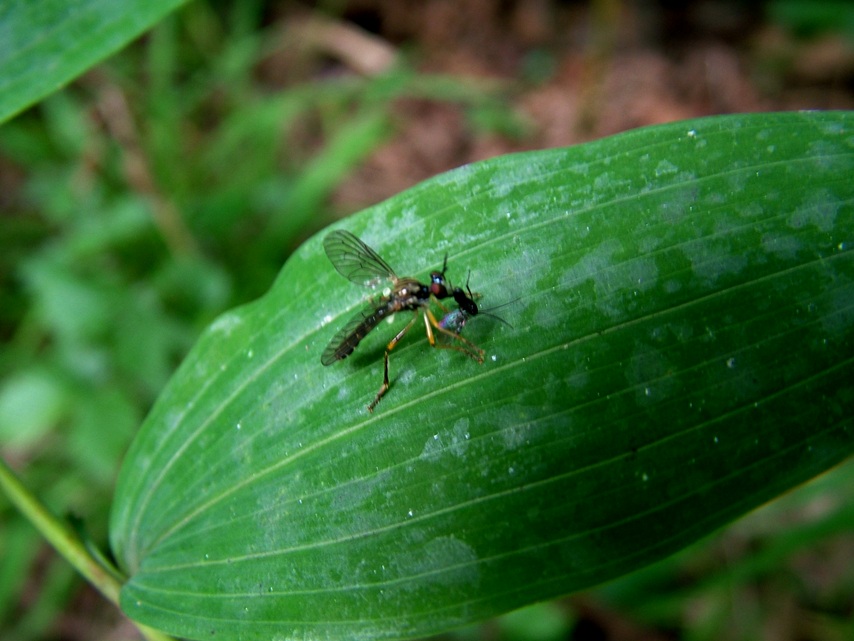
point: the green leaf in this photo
(46, 44)
(681, 351)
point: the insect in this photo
(456, 319)
(360, 264)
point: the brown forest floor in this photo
(572, 72)
(577, 71)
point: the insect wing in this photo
(355, 261)
(349, 336)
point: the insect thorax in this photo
(410, 292)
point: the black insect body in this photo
(362, 265)
(456, 319)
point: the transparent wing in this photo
(349, 336)
(355, 261)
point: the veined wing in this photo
(355, 261)
(349, 336)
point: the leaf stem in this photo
(107, 580)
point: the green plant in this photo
(684, 297)
(810, 18)
(104, 286)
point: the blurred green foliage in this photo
(107, 276)
(812, 17)
(162, 188)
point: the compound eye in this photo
(438, 290)
(437, 285)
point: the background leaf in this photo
(681, 349)
(45, 44)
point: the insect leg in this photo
(465, 346)
(383, 387)
(444, 309)
(394, 341)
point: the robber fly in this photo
(362, 265)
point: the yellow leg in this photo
(394, 341)
(383, 387)
(430, 324)
(465, 346)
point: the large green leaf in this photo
(47, 43)
(682, 351)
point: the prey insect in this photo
(456, 319)
(360, 264)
